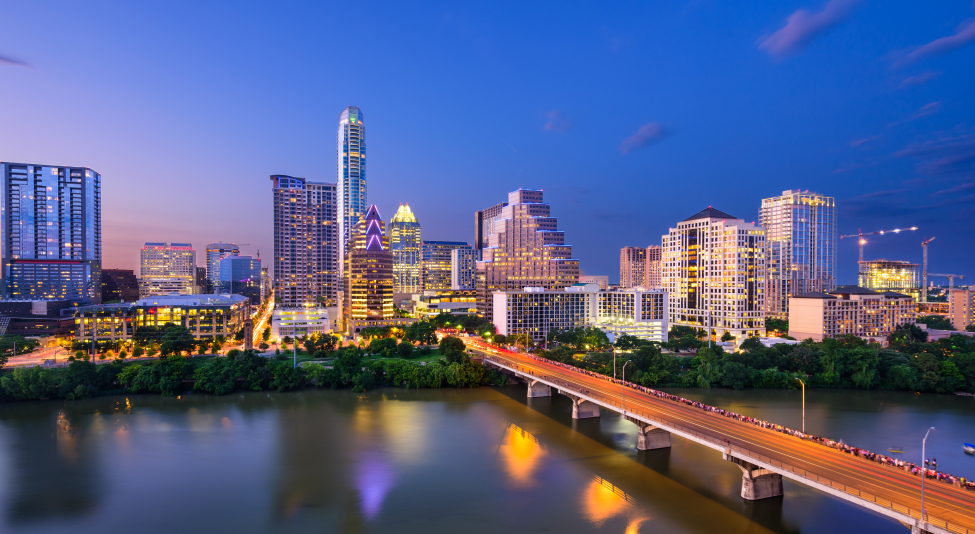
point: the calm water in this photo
(423, 461)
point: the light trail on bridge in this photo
(889, 490)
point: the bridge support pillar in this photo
(582, 408)
(538, 389)
(757, 482)
(650, 437)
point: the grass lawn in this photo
(432, 357)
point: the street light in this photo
(924, 474)
(803, 405)
(624, 385)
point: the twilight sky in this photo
(631, 116)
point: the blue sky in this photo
(631, 116)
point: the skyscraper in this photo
(405, 244)
(437, 263)
(463, 266)
(653, 269)
(525, 249)
(800, 241)
(714, 271)
(368, 271)
(216, 252)
(165, 269)
(305, 242)
(351, 175)
(633, 267)
(241, 275)
(51, 232)
(484, 226)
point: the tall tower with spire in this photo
(351, 176)
(368, 271)
(406, 245)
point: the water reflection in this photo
(374, 479)
(521, 454)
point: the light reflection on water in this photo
(471, 461)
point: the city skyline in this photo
(884, 130)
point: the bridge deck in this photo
(886, 489)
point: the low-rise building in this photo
(536, 311)
(849, 310)
(206, 316)
(432, 303)
(298, 322)
(119, 285)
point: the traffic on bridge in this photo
(765, 452)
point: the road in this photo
(944, 502)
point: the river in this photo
(391, 460)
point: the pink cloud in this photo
(964, 35)
(647, 135)
(802, 27)
(556, 122)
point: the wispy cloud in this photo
(927, 110)
(647, 135)
(920, 79)
(964, 35)
(878, 194)
(957, 189)
(556, 122)
(13, 62)
(802, 27)
(856, 143)
(944, 156)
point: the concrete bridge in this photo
(765, 456)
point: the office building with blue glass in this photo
(51, 232)
(241, 275)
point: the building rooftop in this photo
(853, 290)
(709, 213)
(814, 295)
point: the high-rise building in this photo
(484, 224)
(653, 269)
(165, 269)
(961, 308)
(405, 244)
(524, 249)
(201, 282)
(351, 176)
(633, 267)
(119, 285)
(886, 275)
(714, 272)
(800, 247)
(368, 271)
(850, 310)
(241, 275)
(463, 265)
(437, 263)
(306, 248)
(51, 223)
(215, 253)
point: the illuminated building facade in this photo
(241, 275)
(214, 253)
(306, 262)
(455, 302)
(206, 316)
(463, 265)
(849, 310)
(437, 263)
(405, 243)
(51, 226)
(633, 267)
(298, 322)
(525, 249)
(800, 247)
(886, 275)
(961, 308)
(167, 268)
(713, 268)
(484, 226)
(368, 271)
(536, 311)
(351, 173)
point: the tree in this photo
(727, 337)
(266, 335)
(29, 383)
(777, 325)
(421, 332)
(9, 342)
(320, 343)
(175, 339)
(499, 339)
(404, 349)
(452, 349)
(628, 342)
(935, 322)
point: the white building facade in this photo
(463, 265)
(713, 268)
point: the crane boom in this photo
(860, 234)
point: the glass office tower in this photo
(216, 252)
(351, 176)
(52, 232)
(800, 240)
(404, 241)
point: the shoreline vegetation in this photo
(391, 357)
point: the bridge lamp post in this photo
(803, 405)
(624, 385)
(924, 474)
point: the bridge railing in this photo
(796, 472)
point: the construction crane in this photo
(951, 279)
(860, 234)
